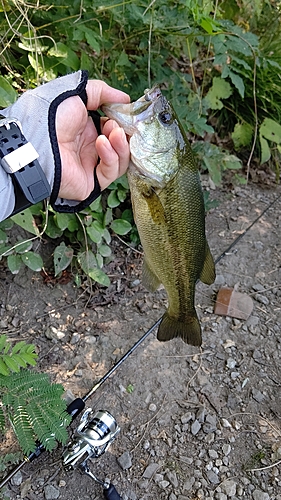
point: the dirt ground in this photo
(196, 423)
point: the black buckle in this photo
(19, 159)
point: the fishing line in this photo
(75, 408)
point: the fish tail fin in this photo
(189, 330)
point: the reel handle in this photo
(111, 493)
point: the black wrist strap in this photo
(19, 159)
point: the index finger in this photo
(99, 93)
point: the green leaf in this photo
(32, 260)
(113, 200)
(3, 341)
(87, 261)
(219, 90)
(11, 364)
(106, 236)
(104, 250)
(107, 217)
(271, 130)
(53, 231)
(3, 368)
(123, 60)
(237, 82)
(95, 231)
(26, 220)
(14, 263)
(96, 206)
(265, 150)
(99, 260)
(23, 246)
(6, 224)
(63, 256)
(99, 276)
(130, 388)
(91, 38)
(121, 226)
(67, 56)
(242, 135)
(3, 236)
(62, 220)
(231, 162)
(8, 94)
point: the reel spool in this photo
(92, 438)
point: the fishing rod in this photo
(89, 436)
(93, 435)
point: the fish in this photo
(168, 209)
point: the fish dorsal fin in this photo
(208, 273)
(149, 279)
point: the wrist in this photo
(19, 159)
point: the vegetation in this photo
(29, 402)
(216, 61)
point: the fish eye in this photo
(165, 117)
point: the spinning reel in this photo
(92, 438)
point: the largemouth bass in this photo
(168, 209)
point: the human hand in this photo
(81, 146)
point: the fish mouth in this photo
(129, 115)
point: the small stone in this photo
(152, 407)
(225, 423)
(257, 395)
(132, 495)
(163, 484)
(51, 493)
(75, 338)
(25, 487)
(172, 478)
(186, 418)
(260, 495)
(146, 445)
(262, 299)
(158, 477)
(229, 488)
(213, 454)
(221, 496)
(143, 485)
(220, 280)
(125, 460)
(230, 363)
(200, 415)
(212, 477)
(188, 484)
(258, 287)
(150, 470)
(226, 449)
(17, 479)
(195, 428)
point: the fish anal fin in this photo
(189, 330)
(208, 273)
(149, 279)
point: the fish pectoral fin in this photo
(208, 273)
(189, 330)
(156, 209)
(149, 279)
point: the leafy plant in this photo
(29, 402)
